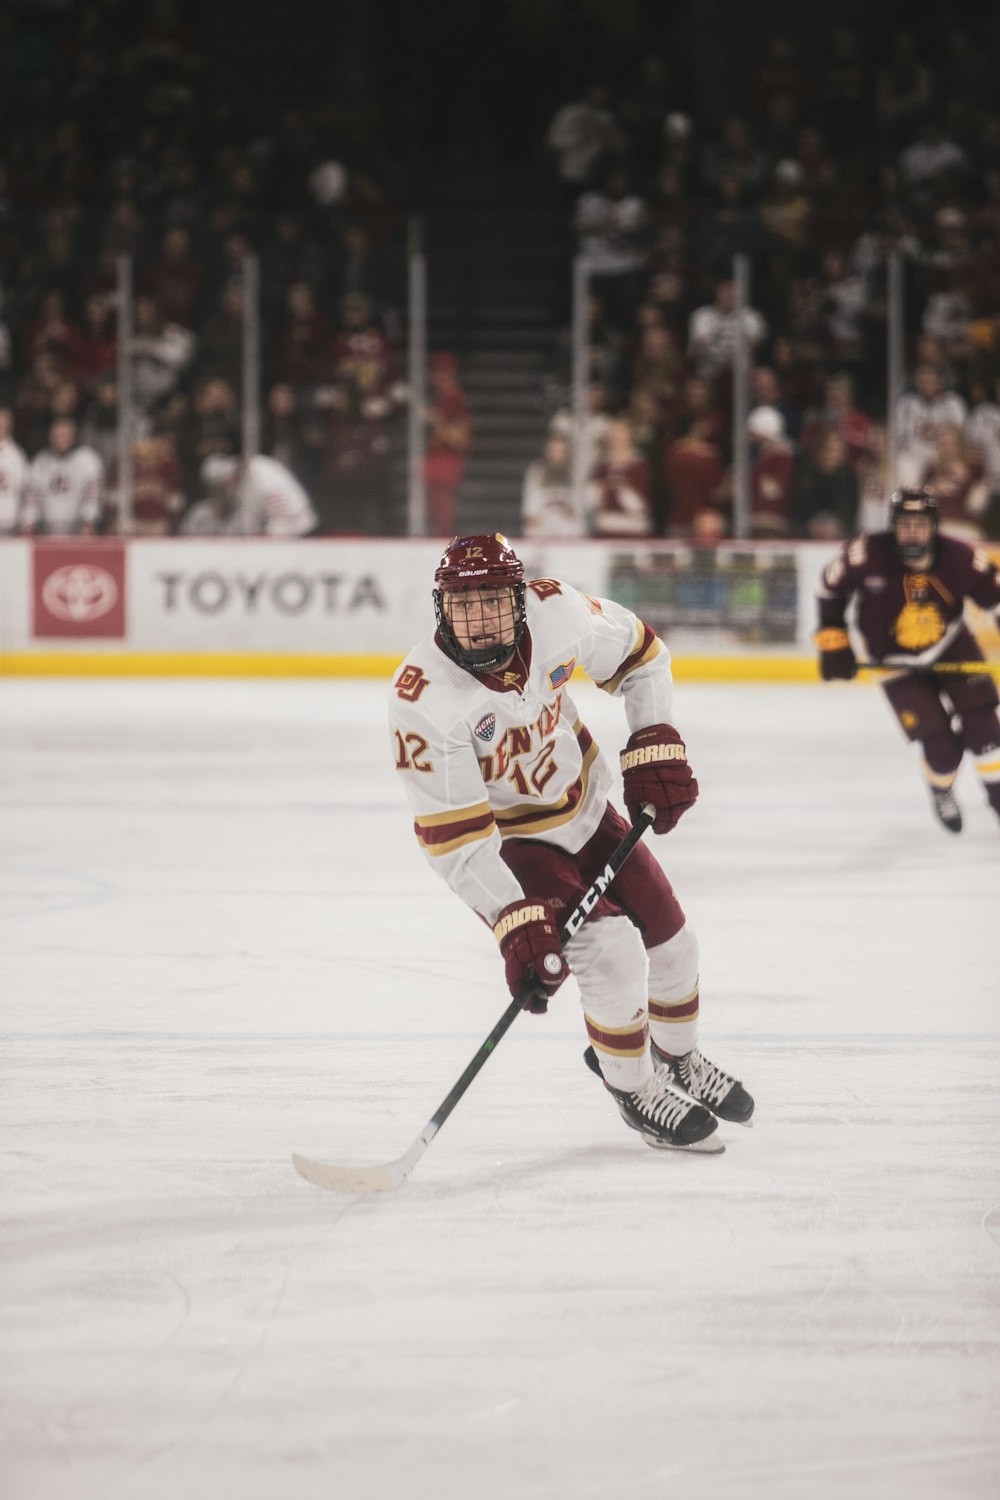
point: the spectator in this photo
(99, 342)
(161, 353)
(304, 341)
(579, 134)
(771, 472)
(713, 330)
(157, 493)
(13, 472)
(982, 433)
(694, 477)
(99, 422)
(269, 500)
(447, 447)
(786, 211)
(174, 278)
(363, 393)
(621, 487)
(825, 499)
(548, 505)
(919, 414)
(874, 480)
(612, 223)
(838, 414)
(956, 480)
(64, 488)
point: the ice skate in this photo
(706, 1082)
(946, 809)
(664, 1118)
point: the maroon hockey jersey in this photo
(905, 615)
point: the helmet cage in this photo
(471, 564)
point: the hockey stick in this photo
(942, 666)
(389, 1175)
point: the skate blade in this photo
(710, 1146)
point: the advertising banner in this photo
(78, 591)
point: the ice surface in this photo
(221, 944)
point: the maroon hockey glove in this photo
(532, 951)
(655, 769)
(836, 659)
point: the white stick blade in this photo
(347, 1179)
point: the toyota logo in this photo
(79, 592)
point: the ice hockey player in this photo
(911, 585)
(510, 800)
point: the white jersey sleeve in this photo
(487, 758)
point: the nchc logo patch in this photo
(562, 673)
(486, 726)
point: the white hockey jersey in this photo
(272, 501)
(61, 494)
(13, 472)
(486, 757)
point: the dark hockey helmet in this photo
(473, 563)
(913, 503)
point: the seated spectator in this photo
(99, 344)
(304, 340)
(53, 333)
(920, 412)
(786, 210)
(622, 500)
(957, 479)
(825, 498)
(33, 401)
(982, 435)
(548, 505)
(157, 492)
(772, 468)
(13, 472)
(838, 414)
(714, 328)
(447, 442)
(269, 500)
(767, 390)
(362, 394)
(99, 422)
(843, 307)
(694, 480)
(612, 224)
(174, 277)
(595, 423)
(221, 347)
(161, 353)
(736, 155)
(64, 488)
(205, 424)
(875, 482)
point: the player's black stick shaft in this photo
(392, 1174)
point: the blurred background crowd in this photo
(186, 136)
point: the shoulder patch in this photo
(410, 683)
(486, 726)
(562, 673)
(545, 588)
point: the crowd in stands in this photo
(115, 140)
(830, 164)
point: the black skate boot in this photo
(946, 809)
(663, 1117)
(704, 1081)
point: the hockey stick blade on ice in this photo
(387, 1176)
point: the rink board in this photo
(353, 607)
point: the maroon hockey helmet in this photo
(913, 502)
(485, 561)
